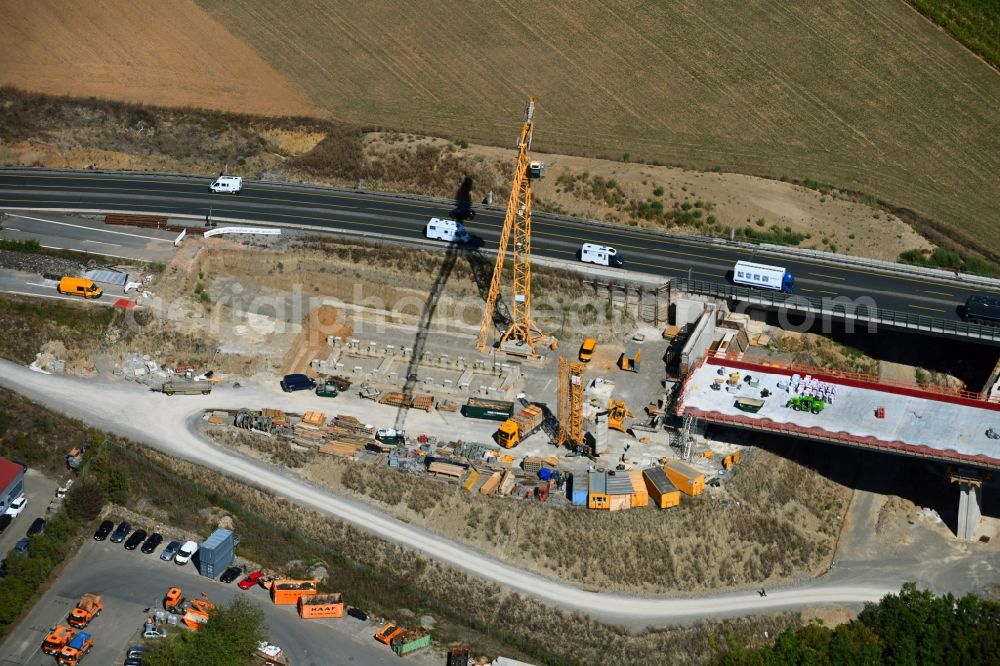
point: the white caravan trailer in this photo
(446, 230)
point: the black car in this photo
(133, 541)
(297, 382)
(154, 540)
(121, 532)
(230, 574)
(133, 661)
(4, 522)
(357, 613)
(136, 651)
(37, 527)
(104, 530)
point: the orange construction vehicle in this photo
(173, 602)
(73, 652)
(57, 638)
(520, 426)
(387, 633)
(193, 612)
(86, 610)
(288, 591)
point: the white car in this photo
(227, 185)
(186, 552)
(17, 506)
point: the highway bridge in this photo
(896, 299)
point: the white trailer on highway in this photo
(749, 274)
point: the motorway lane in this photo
(363, 211)
(70, 232)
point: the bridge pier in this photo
(970, 488)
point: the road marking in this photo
(102, 243)
(10, 229)
(828, 277)
(819, 291)
(936, 293)
(35, 284)
(921, 307)
(60, 298)
(103, 231)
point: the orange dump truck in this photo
(86, 610)
(57, 639)
(314, 606)
(288, 592)
(74, 651)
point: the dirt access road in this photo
(166, 423)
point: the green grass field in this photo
(864, 96)
(976, 23)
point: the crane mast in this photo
(523, 334)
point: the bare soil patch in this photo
(167, 53)
(311, 343)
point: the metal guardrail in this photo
(840, 308)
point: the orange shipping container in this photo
(287, 592)
(662, 492)
(687, 479)
(321, 605)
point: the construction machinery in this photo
(73, 652)
(193, 612)
(387, 633)
(520, 426)
(806, 403)
(59, 637)
(86, 610)
(571, 404)
(522, 335)
(617, 413)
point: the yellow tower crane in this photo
(571, 403)
(522, 335)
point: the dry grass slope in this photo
(867, 97)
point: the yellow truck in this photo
(518, 427)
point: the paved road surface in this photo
(369, 212)
(163, 422)
(129, 582)
(72, 232)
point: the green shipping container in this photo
(492, 410)
(404, 648)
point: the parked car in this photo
(135, 651)
(22, 546)
(171, 550)
(121, 532)
(17, 506)
(357, 613)
(37, 527)
(133, 661)
(252, 579)
(104, 530)
(153, 633)
(5, 521)
(230, 574)
(297, 383)
(137, 538)
(154, 540)
(186, 552)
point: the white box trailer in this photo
(776, 278)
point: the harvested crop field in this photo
(172, 54)
(866, 97)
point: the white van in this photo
(602, 255)
(446, 230)
(226, 185)
(186, 552)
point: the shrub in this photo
(30, 245)
(461, 143)
(658, 192)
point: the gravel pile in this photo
(39, 263)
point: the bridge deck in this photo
(915, 422)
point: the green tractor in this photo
(806, 403)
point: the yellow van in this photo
(75, 286)
(587, 349)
